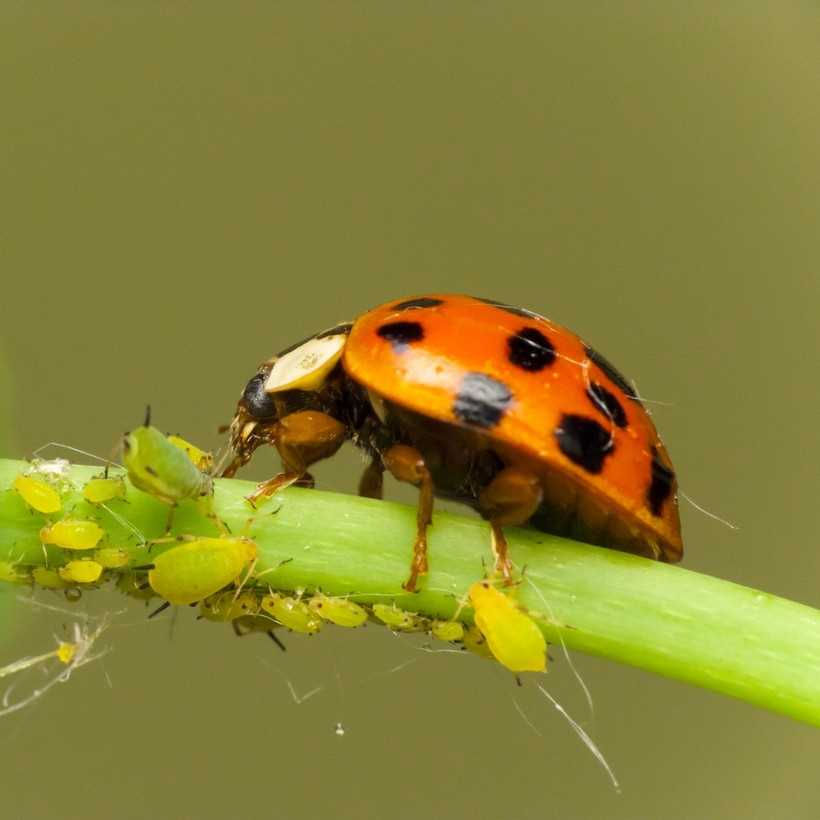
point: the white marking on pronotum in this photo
(306, 367)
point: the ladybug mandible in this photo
(476, 401)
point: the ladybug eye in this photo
(259, 404)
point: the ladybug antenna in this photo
(147, 422)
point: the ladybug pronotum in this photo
(476, 401)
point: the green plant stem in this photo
(712, 633)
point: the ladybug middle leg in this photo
(302, 439)
(510, 499)
(407, 464)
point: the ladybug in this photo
(479, 402)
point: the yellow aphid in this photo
(292, 613)
(396, 618)
(513, 637)
(11, 573)
(227, 606)
(197, 569)
(48, 578)
(103, 490)
(112, 557)
(38, 495)
(476, 643)
(66, 652)
(202, 460)
(135, 586)
(447, 630)
(83, 571)
(339, 611)
(72, 534)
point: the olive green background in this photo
(187, 187)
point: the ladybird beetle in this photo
(479, 402)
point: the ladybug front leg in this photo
(302, 439)
(407, 464)
(510, 499)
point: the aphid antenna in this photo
(126, 524)
(706, 512)
(108, 462)
(147, 421)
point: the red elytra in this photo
(477, 401)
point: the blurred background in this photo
(189, 187)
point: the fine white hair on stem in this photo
(565, 651)
(706, 512)
(587, 740)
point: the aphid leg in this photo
(371, 484)
(206, 507)
(169, 522)
(270, 633)
(302, 439)
(509, 499)
(407, 464)
(161, 608)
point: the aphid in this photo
(201, 459)
(12, 573)
(481, 402)
(200, 567)
(135, 586)
(161, 469)
(101, 490)
(112, 557)
(72, 534)
(48, 578)
(84, 571)
(228, 606)
(397, 619)
(241, 611)
(476, 643)
(339, 611)
(513, 637)
(39, 495)
(447, 630)
(292, 613)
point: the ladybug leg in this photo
(407, 464)
(371, 484)
(302, 439)
(509, 499)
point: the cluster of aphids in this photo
(217, 574)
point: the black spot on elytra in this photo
(401, 334)
(613, 374)
(516, 311)
(481, 400)
(343, 328)
(421, 302)
(607, 403)
(258, 403)
(660, 488)
(530, 350)
(584, 442)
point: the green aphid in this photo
(339, 611)
(160, 468)
(397, 619)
